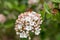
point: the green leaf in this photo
(6, 12)
(21, 8)
(9, 24)
(46, 8)
(8, 4)
(58, 37)
(56, 1)
(48, 16)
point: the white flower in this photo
(17, 33)
(31, 15)
(29, 38)
(23, 35)
(35, 18)
(19, 26)
(41, 21)
(36, 28)
(33, 12)
(32, 23)
(28, 28)
(27, 32)
(22, 19)
(37, 32)
(28, 19)
(32, 31)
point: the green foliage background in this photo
(51, 22)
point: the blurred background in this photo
(49, 9)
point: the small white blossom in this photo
(35, 18)
(19, 26)
(27, 32)
(33, 12)
(28, 28)
(32, 31)
(41, 21)
(32, 23)
(23, 35)
(28, 19)
(17, 33)
(36, 28)
(29, 38)
(31, 15)
(37, 32)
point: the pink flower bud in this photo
(2, 18)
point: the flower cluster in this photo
(28, 22)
